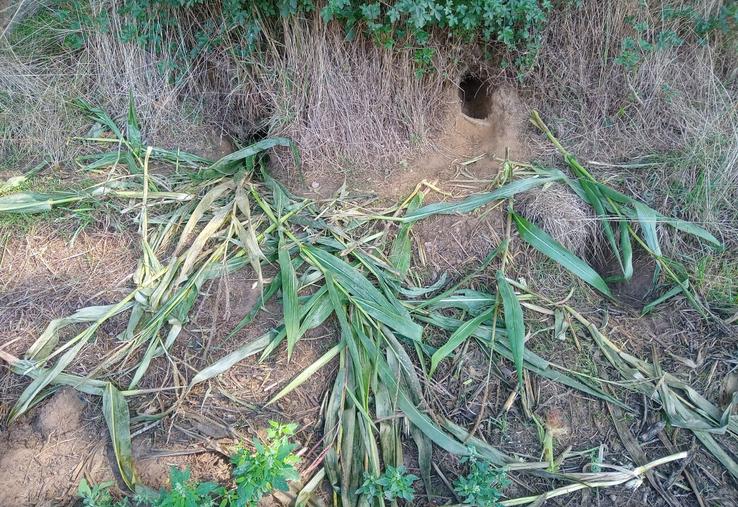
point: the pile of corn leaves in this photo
(333, 259)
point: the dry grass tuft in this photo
(561, 213)
(347, 104)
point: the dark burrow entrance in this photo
(475, 97)
(635, 292)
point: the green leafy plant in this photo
(483, 485)
(676, 24)
(98, 495)
(395, 483)
(514, 24)
(270, 466)
(184, 492)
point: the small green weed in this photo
(270, 466)
(185, 492)
(483, 485)
(98, 495)
(394, 484)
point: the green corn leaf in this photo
(647, 219)
(267, 295)
(458, 337)
(34, 202)
(627, 249)
(44, 344)
(133, 130)
(424, 423)
(366, 295)
(401, 253)
(468, 300)
(96, 161)
(513, 323)
(678, 224)
(552, 249)
(226, 362)
(475, 201)
(98, 115)
(718, 452)
(198, 213)
(228, 164)
(115, 410)
(15, 181)
(308, 372)
(666, 296)
(595, 199)
(303, 497)
(416, 292)
(290, 305)
(71, 348)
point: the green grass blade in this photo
(552, 249)
(626, 247)
(458, 337)
(290, 304)
(475, 201)
(133, 129)
(115, 410)
(513, 323)
(401, 252)
(366, 295)
(308, 372)
(226, 362)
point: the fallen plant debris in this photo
(328, 259)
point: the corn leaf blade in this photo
(552, 249)
(513, 323)
(115, 410)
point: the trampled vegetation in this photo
(206, 220)
(410, 372)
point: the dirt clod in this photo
(62, 414)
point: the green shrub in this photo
(674, 27)
(270, 466)
(240, 25)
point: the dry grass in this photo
(347, 105)
(562, 214)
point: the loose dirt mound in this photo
(44, 456)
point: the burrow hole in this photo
(475, 96)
